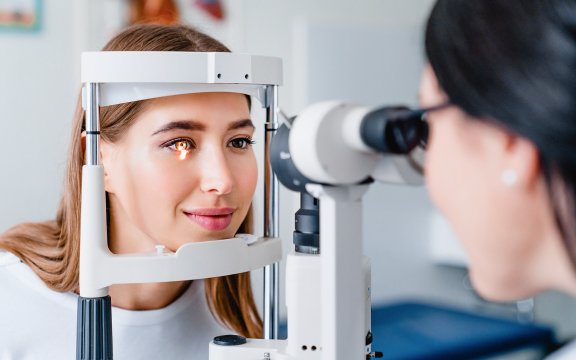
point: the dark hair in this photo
(514, 62)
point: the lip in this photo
(213, 219)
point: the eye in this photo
(180, 144)
(241, 143)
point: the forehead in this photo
(211, 109)
(430, 93)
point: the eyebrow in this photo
(241, 124)
(192, 125)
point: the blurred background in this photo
(366, 51)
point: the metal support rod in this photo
(271, 219)
(92, 124)
(94, 317)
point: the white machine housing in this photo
(326, 147)
(327, 294)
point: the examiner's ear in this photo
(103, 145)
(521, 165)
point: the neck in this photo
(150, 296)
(552, 266)
(555, 270)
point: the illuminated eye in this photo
(181, 145)
(183, 148)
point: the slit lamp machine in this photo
(330, 153)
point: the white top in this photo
(39, 323)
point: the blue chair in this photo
(417, 330)
(413, 330)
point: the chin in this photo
(212, 236)
(196, 237)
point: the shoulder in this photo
(31, 309)
(20, 283)
(7, 259)
(9, 263)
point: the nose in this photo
(216, 175)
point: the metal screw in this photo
(160, 249)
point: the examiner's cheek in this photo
(433, 179)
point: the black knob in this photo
(229, 340)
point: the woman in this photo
(501, 160)
(177, 169)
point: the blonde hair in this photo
(52, 248)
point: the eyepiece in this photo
(395, 130)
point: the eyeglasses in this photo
(417, 118)
(408, 131)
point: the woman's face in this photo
(183, 172)
(499, 225)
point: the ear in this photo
(521, 156)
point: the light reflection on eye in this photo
(183, 154)
(181, 146)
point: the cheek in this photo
(155, 186)
(245, 172)
(455, 179)
(442, 163)
(158, 177)
(460, 180)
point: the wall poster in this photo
(20, 15)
